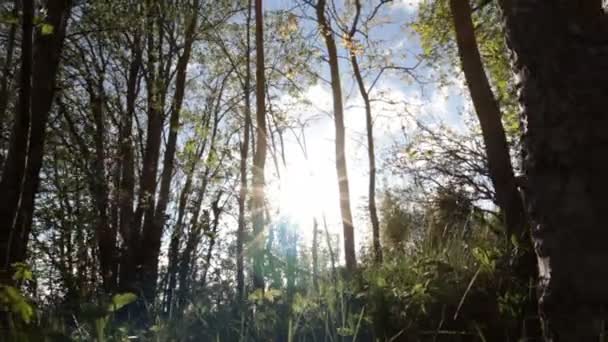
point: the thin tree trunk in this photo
(260, 153)
(105, 232)
(130, 234)
(148, 180)
(315, 254)
(181, 267)
(188, 255)
(332, 256)
(336, 87)
(177, 235)
(561, 60)
(183, 201)
(151, 152)
(489, 115)
(240, 235)
(14, 166)
(217, 211)
(152, 232)
(371, 156)
(47, 53)
(6, 70)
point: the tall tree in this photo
(126, 193)
(325, 27)
(369, 127)
(259, 158)
(153, 229)
(244, 149)
(561, 60)
(6, 76)
(315, 254)
(20, 176)
(489, 115)
(14, 166)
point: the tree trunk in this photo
(105, 232)
(189, 254)
(332, 256)
(45, 64)
(183, 201)
(347, 217)
(489, 115)
(176, 236)
(126, 196)
(217, 211)
(561, 59)
(240, 234)
(14, 167)
(6, 71)
(47, 54)
(148, 245)
(259, 159)
(315, 254)
(152, 232)
(371, 156)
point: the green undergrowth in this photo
(455, 292)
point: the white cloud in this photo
(407, 5)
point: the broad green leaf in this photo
(120, 300)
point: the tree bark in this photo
(45, 64)
(14, 167)
(174, 254)
(315, 254)
(371, 156)
(153, 230)
(489, 115)
(259, 159)
(176, 236)
(105, 232)
(126, 194)
(197, 224)
(336, 87)
(240, 234)
(148, 245)
(561, 59)
(243, 166)
(217, 211)
(6, 71)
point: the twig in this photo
(464, 296)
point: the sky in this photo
(308, 184)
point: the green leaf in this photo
(120, 300)
(22, 272)
(13, 299)
(46, 29)
(345, 331)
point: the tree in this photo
(154, 228)
(338, 108)
(259, 158)
(244, 149)
(564, 145)
(489, 115)
(369, 126)
(20, 176)
(15, 164)
(6, 77)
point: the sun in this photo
(306, 192)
